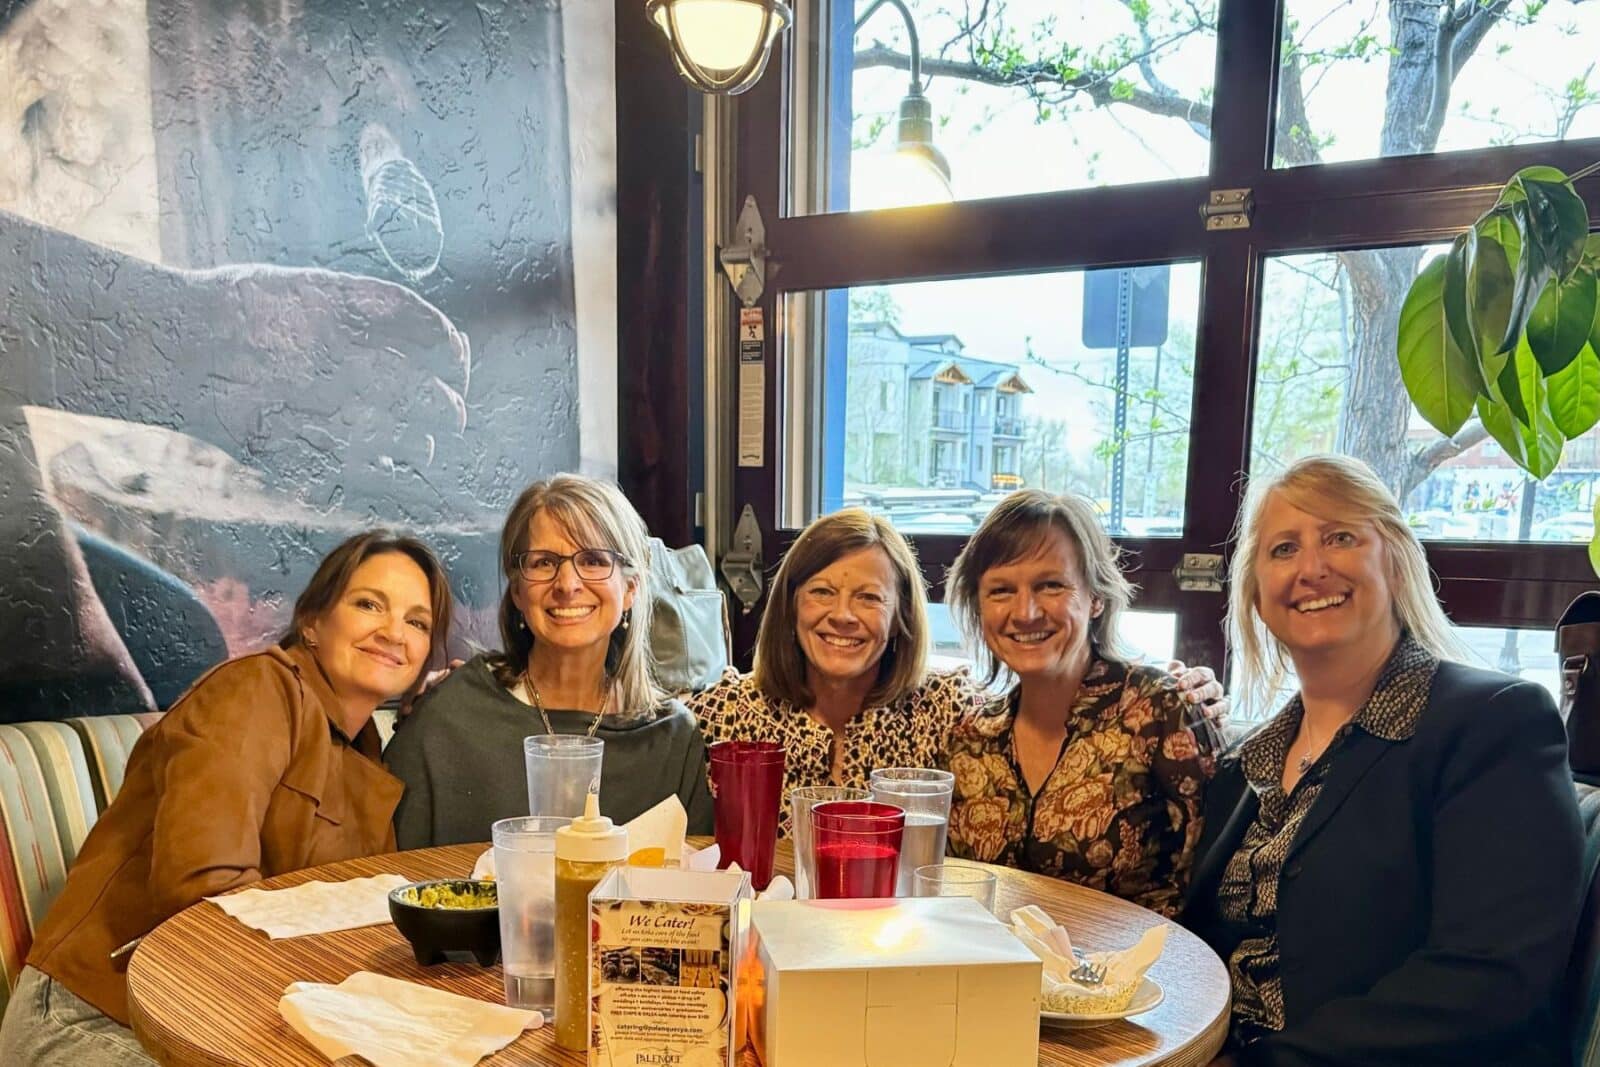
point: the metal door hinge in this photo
(1228, 209)
(741, 565)
(1199, 572)
(744, 259)
(699, 154)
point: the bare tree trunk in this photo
(1374, 416)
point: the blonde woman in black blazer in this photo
(1390, 866)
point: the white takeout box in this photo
(889, 983)
(664, 953)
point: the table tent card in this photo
(663, 967)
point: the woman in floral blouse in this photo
(841, 676)
(1089, 768)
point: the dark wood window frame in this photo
(1395, 201)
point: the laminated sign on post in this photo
(663, 967)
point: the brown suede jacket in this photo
(248, 776)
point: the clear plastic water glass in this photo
(801, 801)
(563, 769)
(955, 879)
(525, 873)
(925, 797)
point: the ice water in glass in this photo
(525, 870)
(924, 795)
(921, 845)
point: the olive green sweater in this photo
(459, 754)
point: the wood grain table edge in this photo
(1058, 1047)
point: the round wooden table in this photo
(203, 988)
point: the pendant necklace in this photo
(538, 704)
(1305, 760)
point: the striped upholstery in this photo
(107, 741)
(46, 809)
(1583, 971)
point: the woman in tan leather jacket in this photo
(269, 764)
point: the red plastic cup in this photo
(747, 790)
(857, 847)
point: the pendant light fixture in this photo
(918, 172)
(720, 46)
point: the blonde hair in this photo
(594, 514)
(1330, 487)
(1018, 527)
(780, 666)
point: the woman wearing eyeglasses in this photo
(574, 621)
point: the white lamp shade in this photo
(897, 179)
(720, 45)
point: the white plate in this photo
(1147, 996)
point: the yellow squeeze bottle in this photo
(585, 850)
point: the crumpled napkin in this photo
(652, 837)
(313, 907)
(1048, 940)
(392, 1023)
(706, 859)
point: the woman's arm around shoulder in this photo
(1182, 744)
(217, 756)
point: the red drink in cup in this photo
(857, 846)
(747, 789)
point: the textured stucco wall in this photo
(271, 273)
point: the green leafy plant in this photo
(1504, 325)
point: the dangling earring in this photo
(627, 618)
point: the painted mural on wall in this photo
(271, 273)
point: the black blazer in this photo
(1428, 904)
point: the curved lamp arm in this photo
(911, 32)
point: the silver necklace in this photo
(533, 691)
(1305, 760)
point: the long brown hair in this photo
(1019, 526)
(333, 575)
(780, 666)
(595, 514)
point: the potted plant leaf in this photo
(1504, 325)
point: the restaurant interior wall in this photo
(273, 274)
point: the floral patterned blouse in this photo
(910, 733)
(1120, 812)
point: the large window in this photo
(996, 76)
(1356, 85)
(1073, 381)
(934, 356)
(1326, 382)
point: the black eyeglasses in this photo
(591, 564)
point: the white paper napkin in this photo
(391, 1023)
(1123, 968)
(314, 907)
(706, 859)
(663, 827)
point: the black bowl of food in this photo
(448, 915)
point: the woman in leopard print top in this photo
(840, 676)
